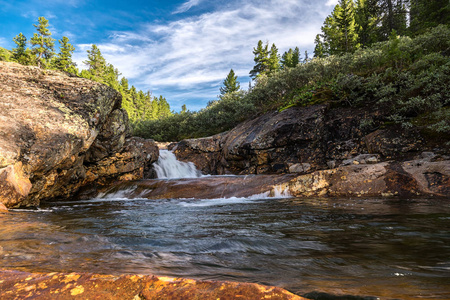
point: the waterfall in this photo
(168, 166)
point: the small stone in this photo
(372, 160)
(299, 168)
(3, 208)
(77, 290)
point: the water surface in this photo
(388, 248)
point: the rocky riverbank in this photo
(59, 133)
(22, 285)
(332, 150)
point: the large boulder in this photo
(58, 133)
(303, 140)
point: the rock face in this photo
(330, 149)
(21, 285)
(408, 179)
(58, 133)
(300, 140)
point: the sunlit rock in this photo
(59, 133)
(22, 285)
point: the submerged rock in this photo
(58, 133)
(22, 285)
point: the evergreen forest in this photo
(388, 55)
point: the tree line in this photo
(138, 104)
(361, 23)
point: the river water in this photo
(386, 248)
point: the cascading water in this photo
(168, 167)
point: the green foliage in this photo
(230, 84)
(261, 60)
(402, 77)
(290, 58)
(267, 62)
(42, 42)
(319, 49)
(5, 55)
(392, 16)
(220, 115)
(340, 30)
(63, 60)
(425, 14)
(367, 18)
(274, 60)
(97, 66)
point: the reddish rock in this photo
(3, 209)
(200, 188)
(412, 178)
(14, 185)
(16, 285)
(58, 133)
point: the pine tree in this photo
(274, 60)
(367, 18)
(124, 84)
(21, 54)
(230, 84)
(287, 59)
(346, 23)
(295, 57)
(319, 49)
(63, 60)
(290, 58)
(425, 14)
(261, 60)
(339, 30)
(393, 16)
(96, 63)
(42, 42)
(163, 108)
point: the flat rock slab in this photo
(22, 285)
(200, 188)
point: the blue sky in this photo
(182, 50)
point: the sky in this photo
(181, 49)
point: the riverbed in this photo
(387, 248)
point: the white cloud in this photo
(197, 53)
(186, 6)
(332, 2)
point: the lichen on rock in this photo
(58, 133)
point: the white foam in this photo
(33, 210)
(277, 193)
(121, 194)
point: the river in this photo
(386, 248)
